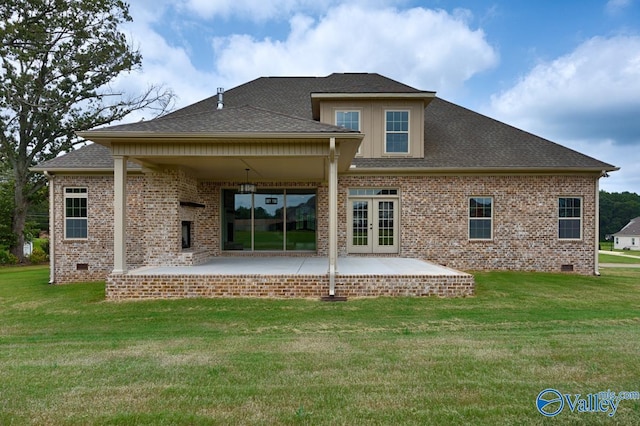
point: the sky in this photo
(568, 71)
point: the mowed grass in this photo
(69, 357)
(612, 258)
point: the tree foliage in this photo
(616, 210)
(58, 62)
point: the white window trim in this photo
(384, 132)
(346, 110)
(569, 218)
(490, 219)
(64, 206)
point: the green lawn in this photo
(612, 258)
(69, 357)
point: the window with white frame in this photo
(75, 213)
(396, 132)
(569, 218)
(348, 119)
(480, 218)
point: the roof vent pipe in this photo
(220, 101)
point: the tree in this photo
(616, 210)
(57, 61)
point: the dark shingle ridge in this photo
(292, 95)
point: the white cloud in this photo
(587, 100)
(259, 11)
(431, 50)
(615, 7)
(591, 92)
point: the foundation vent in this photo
(566, 268)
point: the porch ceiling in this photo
(277, 159)
(234, 168)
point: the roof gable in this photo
(632, 228)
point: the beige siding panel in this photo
(311, 148)
(372, 121)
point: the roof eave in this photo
(80, 171)
(316, 98)
(106, 137)
(482, 170)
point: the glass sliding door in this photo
(236, 221)
(301, 220)
(269, 220)
(268, 229)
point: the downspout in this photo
(52, 229)
(597, 236)
(333, 215)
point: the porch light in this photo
(247, 188)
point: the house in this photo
(347, 171)
(628, 238)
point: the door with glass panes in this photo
(373, 225)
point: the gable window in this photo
(480, 218)
(396, 132)
(75, 213)
(348, 119)
(569, 218)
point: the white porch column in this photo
(333, 215)
(120, 214)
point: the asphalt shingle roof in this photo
(88, 157)
(454, 137)
(632, 228)
(241, 119)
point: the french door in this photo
(373, 225)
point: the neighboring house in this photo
(628, 238)
(338, 166)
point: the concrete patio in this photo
(281, 276)
(280, 265)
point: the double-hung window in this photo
(480, 218)
(569, 218)
(75, 213)
(396, 132)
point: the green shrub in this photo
(37, 256)
(44, 245)
(7, 258)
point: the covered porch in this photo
(282, 277)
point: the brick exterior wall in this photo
(97, 250)
(433, 227)
(434, 220)
(284, 286)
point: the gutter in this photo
(355, 170)
(52, 233)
